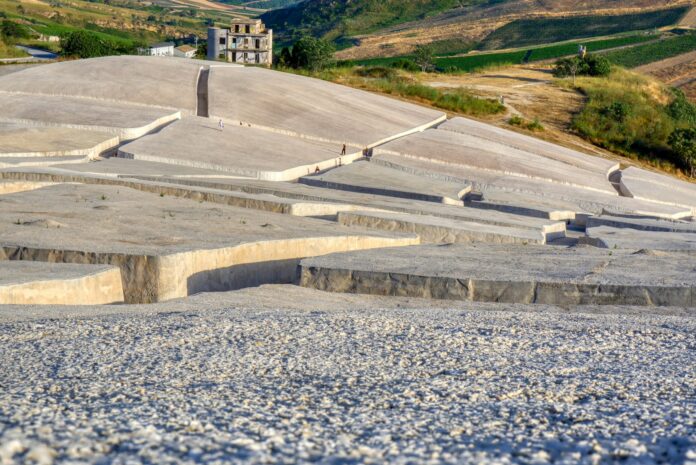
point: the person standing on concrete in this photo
(221, 125)
(343, 150)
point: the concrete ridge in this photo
(124, 134)
(96, 99)
(90, 152)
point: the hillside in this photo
(494, 23)
(341, 19)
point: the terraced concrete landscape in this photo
(214, 264)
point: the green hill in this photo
(341, 19)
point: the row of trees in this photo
(87, 44)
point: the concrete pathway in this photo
(38, 54)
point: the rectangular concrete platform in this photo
(168, 247)
(491, 133)
(373, 178)
(436, 230)
(237, 150)
(624, 238)
(506, 273)
(647, 185)
(24, 141)
(453, 149)
(642, 223)
(33, 283)
(503, 189)
(121, 119)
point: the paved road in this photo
(38, 53)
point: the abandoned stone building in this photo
(247, 41)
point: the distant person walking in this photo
(343, 150)
(221, 125)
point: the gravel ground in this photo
(349, 386)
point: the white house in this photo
(163, 49)
(184, 51)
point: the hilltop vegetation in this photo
(635, 116)
(526, 32)
(649, 53)
(341, 19)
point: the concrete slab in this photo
(11, 187)
(157, 81)
(623, 238)
(453, 149)
(167, 247)
(124, 167)
(493, 134)
(33, 283)
(444, 230)
(655, 187)
(522, 194)
(373, 178)
(312, 107)
(642, 224)
(120, 119)
(499, 273)
(24, 141)
(282, 197)
(237, 150)
(23, 162)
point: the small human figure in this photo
(343, 150)
(221, 125)
(365, 152)
(316, 170)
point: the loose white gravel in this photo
(349, 386)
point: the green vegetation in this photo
(525, 32)
(518, 121)
(634, 115)
(339, 19)
(649, 53)
(86, 44)
(10, 51)
(683, 142)
(402, 84)
(589, 65)
(308, 53)
(476, 62)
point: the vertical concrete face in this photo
(214, 46)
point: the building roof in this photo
(185, 48)
(162, 45)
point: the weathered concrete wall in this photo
(522, 292)
(138, 274)
(253, 264)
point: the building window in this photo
(222, 41)
(236, 28)
(247, 29)
(258, 44)
(257, 56)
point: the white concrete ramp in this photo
(647, 185)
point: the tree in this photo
(312, 53)
(597, 65)
(202, 50)
(85, 44)
(683, 142)
(423, 57)
(285, 58)
(589, 65)
(11, 31)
